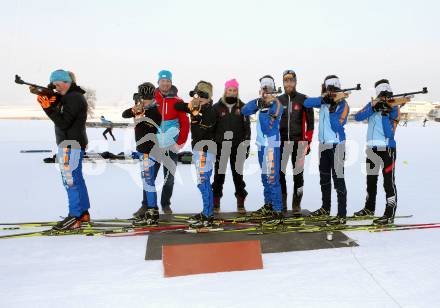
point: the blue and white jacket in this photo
(268, 123)
(331, 124)
(381, 128)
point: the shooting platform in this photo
(223, 251)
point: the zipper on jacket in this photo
(289, 109)
(163, 119)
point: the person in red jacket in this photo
(171, 137)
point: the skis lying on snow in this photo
(94, 231)
(118, 229)
(179, 219)
(325, 228)
(20, 225)
(251, 230)
(288, 219)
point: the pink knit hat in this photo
(231, 84)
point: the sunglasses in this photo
(291, 72)
(200, 94)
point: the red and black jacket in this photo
(297, 121)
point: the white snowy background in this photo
(389, 269)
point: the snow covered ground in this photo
(389, 269)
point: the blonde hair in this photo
(72, 76)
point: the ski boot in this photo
(151, 218)
(388, 216)
(265, 211)
(202, 221)
(240, 205)
(363, 213)
(337, 220)
(140, 213)
(320, 212)
(194, 218)
(68, 223)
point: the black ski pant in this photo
(295, 150)
(331, 165)
(108, 130)
(381, 158)
(236, 168)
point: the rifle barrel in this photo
(357, 88)
(424, 91)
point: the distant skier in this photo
(268, 141)
(381, 151)
(405, 122)
(109, 128)
(68, 110)
(203, 117)
(333, 115)
(424, 122)
(147, 120)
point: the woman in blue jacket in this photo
(381, 151)
(333, 115)
(268, 142)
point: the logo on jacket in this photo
(296, 107)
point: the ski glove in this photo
(45, 101)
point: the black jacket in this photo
(202, 125)
(233, 121)
(148, 124)
(297, 121)
(70, 116)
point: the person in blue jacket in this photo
(108, 128)
(381, 151)
(268, 142)
(333, 115)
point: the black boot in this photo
(337, 220)
(240, 205)
(140, 213)
(194, 218)
(320, 212)
(296, 205)
(388, 216)
(151, 218)
(68, 223)
(363, 213)
(263, 212)
(202, 221)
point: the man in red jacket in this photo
(172, 135)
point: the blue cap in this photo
(164, 74)
(60, 75)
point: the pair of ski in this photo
(360, 227)
(97, 231)
(180, 219)
(117, 228)
(124, 227)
